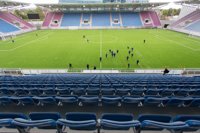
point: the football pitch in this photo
(56, 49)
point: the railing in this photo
(188, 71)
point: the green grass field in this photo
(58, 48)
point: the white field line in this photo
(141, 56)
(175, 42)
(41, 38)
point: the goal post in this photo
(5, 37)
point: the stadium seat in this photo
(40, 120)
(41, 101)
(48, 92)
(93, 91)
(111, 100)
(191, 120)
(137, 92)
(107, 91)
(23, 101)
(78, 91)
(35, 92)
(155, 101)
(157, 118)
(132, 100)
(62, 100)
(194, 103)
(88, 100)
(118, 121)
(122, 91)
(78, 121)
(5, 100)
(63, 91)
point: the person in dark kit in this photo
(100, 59)
(129, 65)
(70, 65)
(110, 50)
(13, 41)
(106, 55)
(83, 36)
(166, 71)
(144, 41)
(114, 54)
(137, 62)
(87, 40)
(127, 58)
(128, 47)
(88, 66)
(132, 49)
(129, 52)
(132, 55)
(117, 51)
(95, 67)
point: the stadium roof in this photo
(58, 1)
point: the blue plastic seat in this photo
(49, 91)
(45, 115)
(116, 121)
(63, 91)
(132, 100)
(23, 100)
(78, 121)
(5, 100)
(40, 120)
(122, 91)
(193, 122)
(171, 126)
(62, 100)
(107, 91)
(157, 118)
(88, 100)
(20, 92)
(111, 100)
(93, 91)
(77, 91)
(168, 92)
(152, 92)
(155, 101)
(6, 92)
(44, 100)
(194, 103)
(176, 101)
(138, 92)
(6, 119)
(35, 92)
(183, 92)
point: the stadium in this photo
(100, 66)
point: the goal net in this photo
(7, 36)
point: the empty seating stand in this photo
(102, 19)
(11, 23)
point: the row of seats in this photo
(97, 91)
(142, 85)
(104, 100)
(108, 121)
